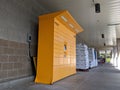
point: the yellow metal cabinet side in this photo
(45, 51)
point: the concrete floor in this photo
(104, 77)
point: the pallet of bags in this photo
(82, 59)
(92, 60)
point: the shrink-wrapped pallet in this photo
(82, 59)
(92, 58)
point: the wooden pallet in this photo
(83, 70)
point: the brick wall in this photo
(14, 60)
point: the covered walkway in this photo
(104, 77)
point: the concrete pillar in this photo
(118, 53)
(105, 55)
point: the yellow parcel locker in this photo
(56, 57)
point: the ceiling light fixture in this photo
(104, 44)
(97, 7)
(102, 35)
(113, 24)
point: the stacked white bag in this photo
(92, 59)
(82, 58)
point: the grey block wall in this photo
(17, 19)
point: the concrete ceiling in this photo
(94, 24)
